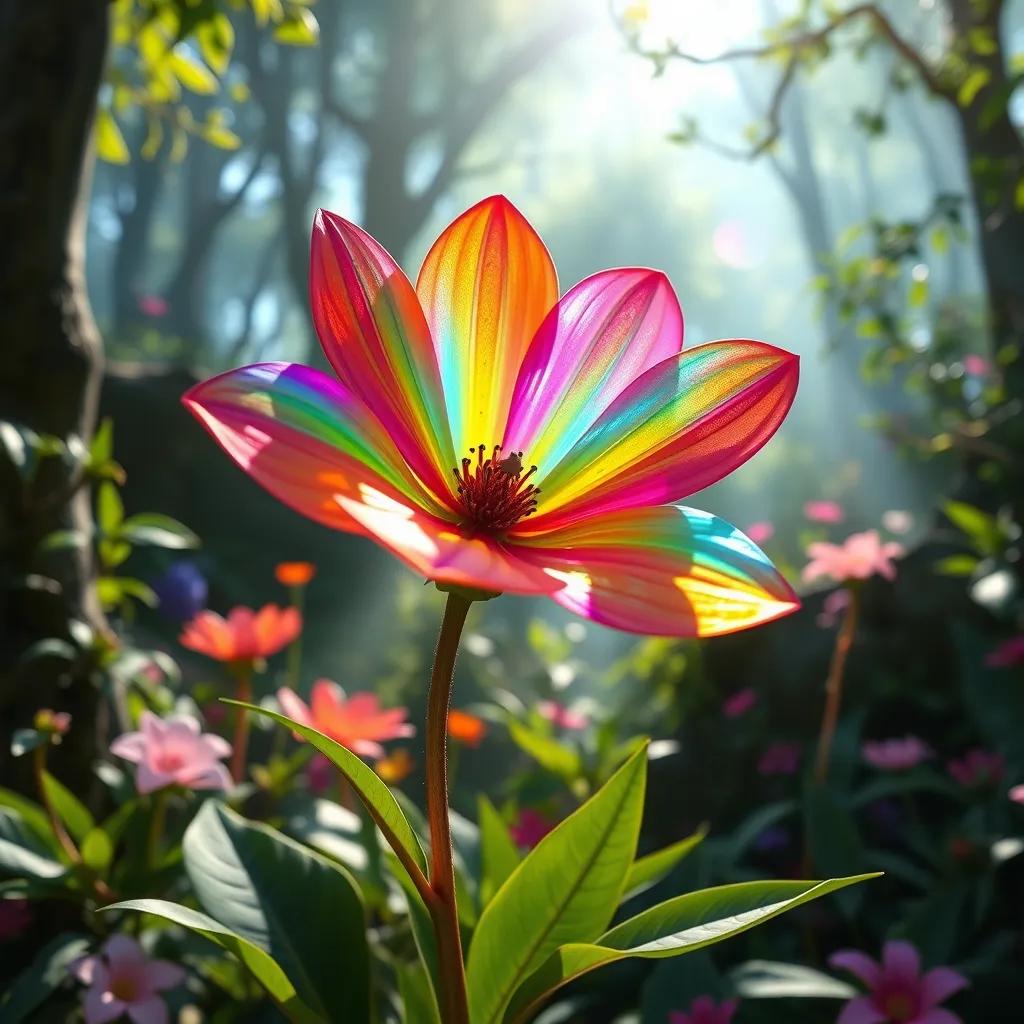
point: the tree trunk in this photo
(51, 62)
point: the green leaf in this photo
(546, 751)
(957, 565)
(22, 854)
(216, 38)
(109, 508)
(681, 925)
(69, 808)
(97, 850)
(193, 75)
(158, 531)
(30, 813)
(263, 967)
(647, 871)
(418, 1003)
(60, 540)
(566, 890)
(300, 28)
(287, 900)
(379, 800)
(975, 81)
(767, 979)
(499, 855)
(101, 448)
(110, 144)
(47, 972)
(980, 527)
(917, 296)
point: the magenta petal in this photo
(901, 960)
(149, 1011)
(861, 1011)
(304, 436)
(940, 983)
(373, 331)
(937, 1015)
(602, 334)
(860, 965)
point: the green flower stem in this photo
(67, 844)
(242, 671)
(834, 686)
(441, 904)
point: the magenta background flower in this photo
(739, 703)
(704, 1010)
(123, 980)
(859, 556)
(978, 767)
(15, 917)
(153, 305)
(561, 716)
(975, 365)
(896, 755)
(1008, 654)
(824, 511)
(173, 751)
(320, 773)
(1017, 794)
(779, 759)
(761, 532)
(897, 991)
(530, 828)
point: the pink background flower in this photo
(172, 751)
(896, 755)
(244, 635)
(561, 716)
(123, 980)
(1007, 654)
(824, 511)
(739, 703)
(859, 556)
(977, 767)
(530, 828)
(704, 1010)
(760, 532)
(779, 759)
(897, 991)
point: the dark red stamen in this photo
(494, 492)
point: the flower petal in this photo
(304, 436)
(860, 965)
(677, 428)
(99, 1006)
(442, 551)
(669, 571)
(162, 974)
(130, 745)
(148, 1011)
(374, 334)
(937, 1015)
(901, 960)
(861, 1011)
(485, 286)
(602, 334)
(940, 983)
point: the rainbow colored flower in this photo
(497, 437)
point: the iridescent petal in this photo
(677, 428)
(600, 337)
(304, 436)
(486, 285)
(668, 571)
(443, 551)
(373, 332)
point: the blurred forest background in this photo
(842, 180)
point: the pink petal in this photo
(860, 1011)
(149, 1011)
(901, 960)
(293, 706)
(99, 1006)
(858, 964)
(678, 428)
(147, 780)
(374, 334)
(602, 334)
(216, 746)
(124, 953)
(441, 551)
(88, 969)
(305, 437)
(214, 777)
(131, 746)
(668, 571)
(937, 1015)
(940, 983)
(163, 974)
(486, 285)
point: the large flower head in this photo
(244, 635)
(897, 991)
(173, 751)
(497, 437)
(122, 980)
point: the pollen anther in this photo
(493, 489)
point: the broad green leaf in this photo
(157, 530)
(546, 751)
(300, 28)
(681, 925)
(297, 905)
(69, 808)
(499, 855)
(980, 527)
(110, 144)
(421, 925)
(216, 38)
(31, 814)
(647, 871)
(379, 800)
(48, 970)
(97, 850)
(109, 507)
(22, 853)
(418, 1003)
(264, 968)
(566, 890)
(191, 73)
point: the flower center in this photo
(125, 988)
(899, 1006)
(493, 489)
(169, 761)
